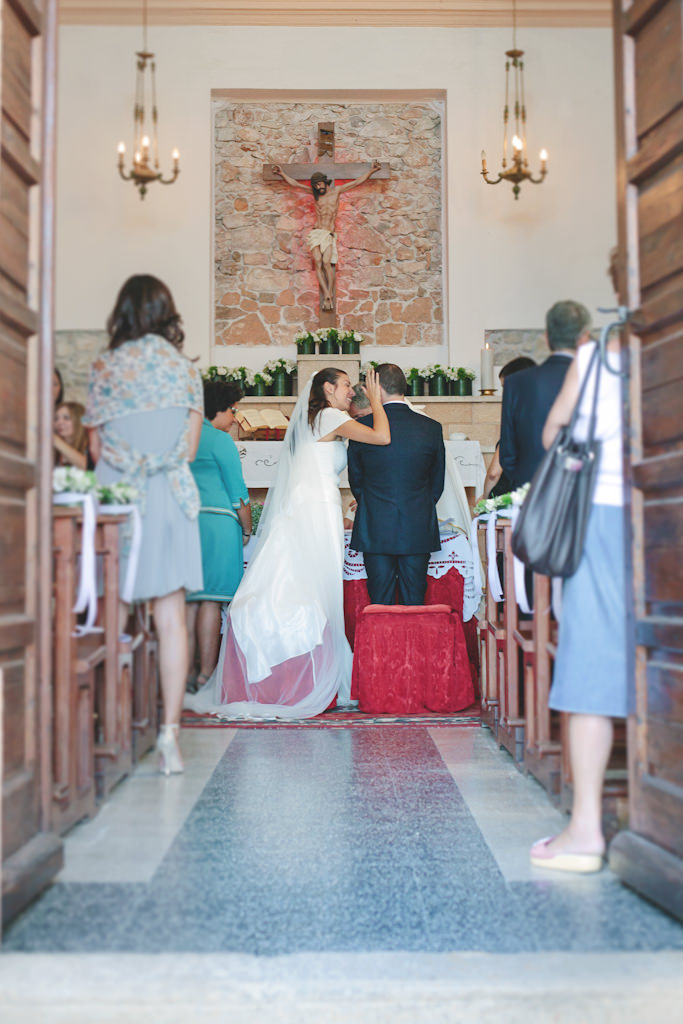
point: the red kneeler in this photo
(409, 659)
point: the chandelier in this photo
(518, 169)
(145, 167)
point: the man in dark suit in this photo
(529, 395)
(397, 487)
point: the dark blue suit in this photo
(397, 487)
(527, 400)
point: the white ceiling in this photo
(530, 13)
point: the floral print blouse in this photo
(142, 376)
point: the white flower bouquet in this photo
(515, 497)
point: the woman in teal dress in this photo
(224, 520)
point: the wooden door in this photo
(31, 854)
(649, 77)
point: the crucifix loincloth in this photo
(323, 239)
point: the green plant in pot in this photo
(351, 342)
(305, 343)
(281, 371)
(415, 381)
(262, 383)
(461, 383)
(371, 364)
(437, 379)
(328, 341)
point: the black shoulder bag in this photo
(551, 527)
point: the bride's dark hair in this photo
(317, 400)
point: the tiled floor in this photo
(283, 842)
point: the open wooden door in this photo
(649, 80)
(31, 853)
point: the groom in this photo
(397, 487)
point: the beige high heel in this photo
(170, 761)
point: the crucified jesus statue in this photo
(322, 239)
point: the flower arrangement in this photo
(305, 341)
(116, 494)
(515, 497)
(68, 479)
(371, 364)
(462, 374)
(281, 365)
(262, 377)
(256, 510)
(223, 373)
(433, 370)
(413, 375)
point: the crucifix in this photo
(322, 239)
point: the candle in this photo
(483, 160)
(122, 152)
(486, 375)
(176, 158)
(544, 159)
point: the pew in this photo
(492, 659)
(510, 732)
(74, 678)
(542, 744)
(113, 694)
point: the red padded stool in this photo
(409, 659)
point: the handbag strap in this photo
(594, 360)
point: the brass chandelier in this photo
(518, 170)
(145, 167)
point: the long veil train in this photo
(284, 652)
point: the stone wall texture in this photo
(389, 232)
(74, 352)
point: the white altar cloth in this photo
(260, 458)
(455, 553)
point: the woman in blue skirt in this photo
(591, 671)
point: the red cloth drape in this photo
(410, 659)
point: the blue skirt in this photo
(591, 669)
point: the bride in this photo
(284, 653)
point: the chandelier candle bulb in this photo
(544, 159)
(486, 385)
(483, 160)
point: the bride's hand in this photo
(372, 387)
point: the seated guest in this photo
(529, 395)
(497, 482)
(70, 436)
(224, 520)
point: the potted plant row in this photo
(441, 380)
(276, 377)
(328, 341)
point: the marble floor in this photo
(389, 845)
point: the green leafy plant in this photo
(463, 374)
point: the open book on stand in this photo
(261, 424)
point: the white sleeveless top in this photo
(609, 487)
(327, 420)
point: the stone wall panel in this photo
(389, 231)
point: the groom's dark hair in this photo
(392, 378)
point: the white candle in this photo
(486, 376)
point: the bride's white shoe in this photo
(170, 761)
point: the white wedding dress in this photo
(284, 652)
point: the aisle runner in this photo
(335, 720)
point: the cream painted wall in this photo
(507, 261)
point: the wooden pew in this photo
(113, 694)
(492, 636)
(74, 674)
(542, 744)
(511, 699)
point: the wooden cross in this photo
(337, 172)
